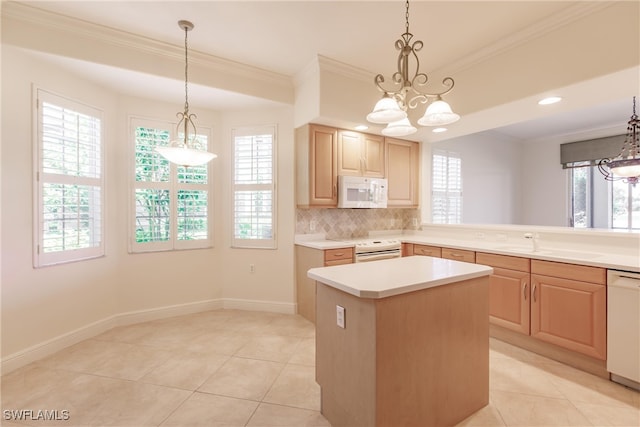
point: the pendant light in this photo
(626, 165)
(408, 93)
(186, 151)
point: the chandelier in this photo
(626, 166)
(407, 93)
(188, 150)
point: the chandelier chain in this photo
(406, 16)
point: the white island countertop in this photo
(396, 276)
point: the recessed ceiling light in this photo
(361, 127)
(439, 130)
(549, 100)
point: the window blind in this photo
(585, 153)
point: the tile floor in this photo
(237, 368)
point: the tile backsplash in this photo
(350, 223)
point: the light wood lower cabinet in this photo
(568, 312)
(307, 258)
(508, 291)
(426, 250)
(459, 255)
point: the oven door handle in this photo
(376, 257)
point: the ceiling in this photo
(285, 36)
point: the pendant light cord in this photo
(186, 72)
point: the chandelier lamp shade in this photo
(407, 92)
(626, 166)
(186, 150)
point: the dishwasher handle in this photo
(625, 283)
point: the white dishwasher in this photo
(623, 327)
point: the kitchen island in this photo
(410, 346)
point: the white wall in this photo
(490, 177)
(41, 306)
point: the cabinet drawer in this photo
(504, 261)
(459, 255)
(338, 254)
(581, 273)
(425, 250)
(337, 262)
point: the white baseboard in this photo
(253, 305)
(53, 345)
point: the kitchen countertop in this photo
(571, 256)
(396, 276)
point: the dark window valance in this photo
(581, 153)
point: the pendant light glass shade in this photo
(438, 113)
(626, 168)
(182, 155)
(400, 128)
(386, 111)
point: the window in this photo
(171, 202)
(69, 181)
(254, 191)
(446, 191)
(597, 203)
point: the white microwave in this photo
(362, 192)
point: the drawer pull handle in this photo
(534, 293)
(340, 254)
(524, 291)
(453, 254)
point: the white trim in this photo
(55, 344)
(256, 305)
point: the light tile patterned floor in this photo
(238, 368)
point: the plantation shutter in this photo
(254, 187)
(69, 181)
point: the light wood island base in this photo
(416, 359)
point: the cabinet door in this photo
(402, 172)
(350, 149)
(322, 166)
(373, 156)
(509, 299)
(570, 314)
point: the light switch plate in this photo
(340, 313)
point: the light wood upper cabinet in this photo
(316, 160)
(403, 163)
(568, 312)
(360, 154)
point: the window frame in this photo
(173, 186)
(239, 243)
(593, 209)
(40, 257)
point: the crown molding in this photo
(73, 27)
(328, 64)
(568, 15)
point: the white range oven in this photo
(376, 249)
